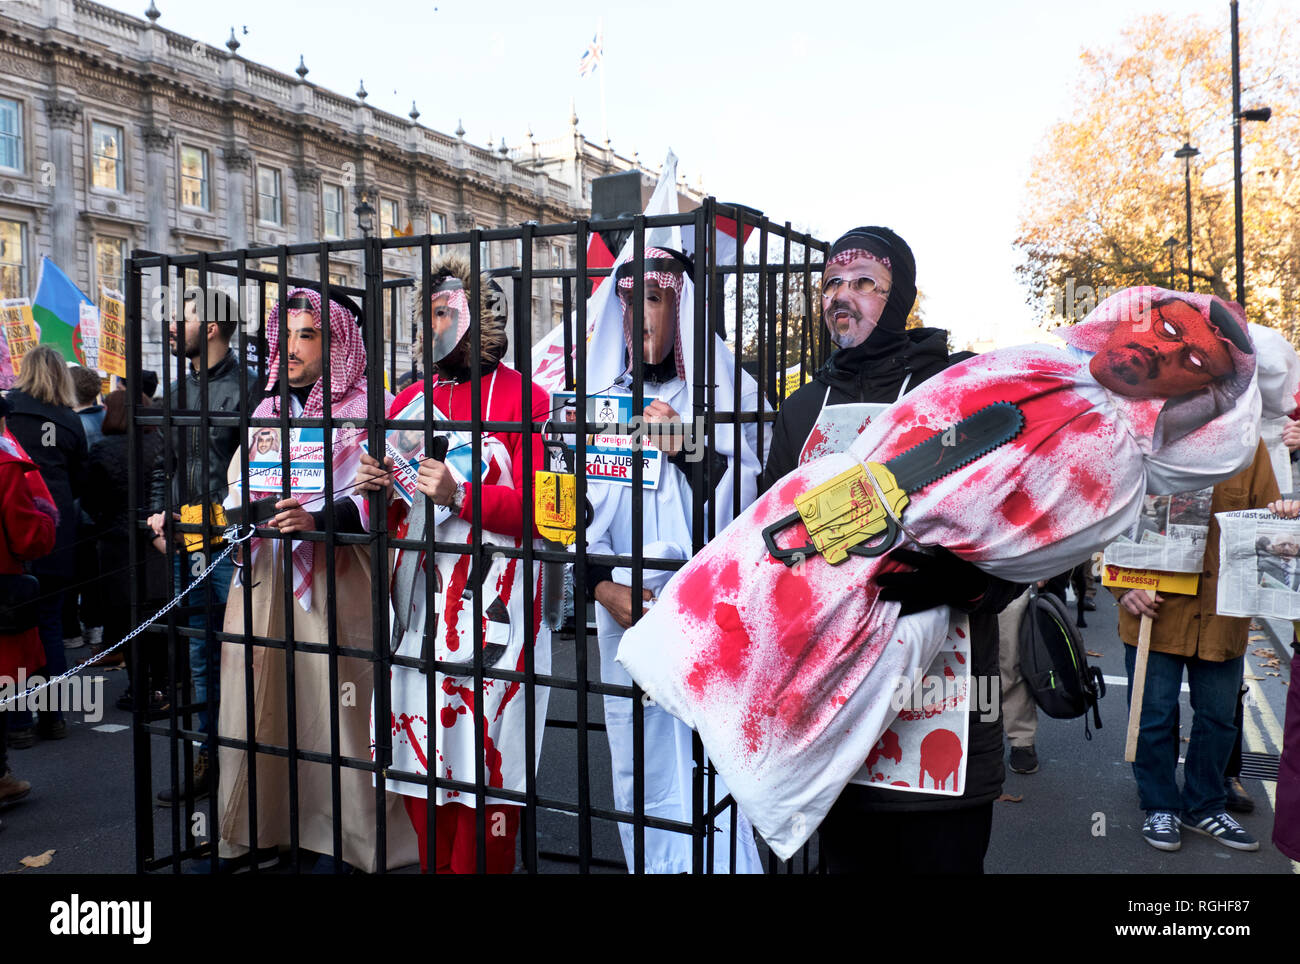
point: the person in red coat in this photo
(27, 523)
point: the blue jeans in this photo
(202, 649)
(1214, 689)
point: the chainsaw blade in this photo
(960, 444)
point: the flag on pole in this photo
(56, 308)
(590, 59)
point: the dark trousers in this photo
(49, 615)
(854, 841)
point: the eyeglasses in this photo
(864, 285)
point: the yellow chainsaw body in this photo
(555, 506)
(193, 515)
(846, 510)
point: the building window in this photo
(340, 278)
(194, 178)
(332, 206)
(437, 223)
(269, 201)
(557, 262)
(13, 260)
(110, 264)
(11, 134)
(484, 252)
(270, 290)
(387, 217)
(108, 165)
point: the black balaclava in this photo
(888, 335)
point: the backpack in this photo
(1055, 664)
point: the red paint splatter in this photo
(448, 717)
(415, 744)
(959, 656)
(940, 757)
(959, 632)
(455, 603)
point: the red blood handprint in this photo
(940, 756)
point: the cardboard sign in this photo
(19, 328)
(610, 454)
(1153, 580)
(112, 333)
(89, 329)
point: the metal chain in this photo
(229, 535)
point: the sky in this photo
(923, 116)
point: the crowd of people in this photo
(67, 514)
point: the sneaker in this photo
(12, 789)
(1088, 605)
(1024, 759)
(1238, 799)
(94, 636)
(200, 783)
(22, 737)
(1160, 830)
(74, 642)
(1225, 830)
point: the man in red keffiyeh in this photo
(302, 342)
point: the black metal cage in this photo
(764, 307)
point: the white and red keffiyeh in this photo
(346, 371)
(853, 254)
(787, 673)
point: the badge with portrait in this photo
(405, 446)
(306, 460)
(610, 453)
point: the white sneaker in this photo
(76, 642)
(94, 635)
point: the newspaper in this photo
(1259, 565)
(1170, 535)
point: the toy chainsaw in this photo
(845, 514)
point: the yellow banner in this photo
(1153, 580)
(19, 328)
(112, 333)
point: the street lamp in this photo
(1171, 244)
(1260, 114)
(1186, 153)
(365, 217)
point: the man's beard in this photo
(853, 336)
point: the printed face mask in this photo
(855, 288)
(1171, 351)
(450, 318)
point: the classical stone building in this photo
(116, 134)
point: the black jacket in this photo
(54, 439)
(851, 375)
(108, 502)
(859, 375)
(188, 451)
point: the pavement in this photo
(1077, 814)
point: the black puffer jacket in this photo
(862, 375)
(189, 451)
(54, 439)
(858, 374)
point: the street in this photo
(1078, 814)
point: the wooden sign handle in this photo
(1139, 690)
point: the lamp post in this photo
(365, 218)
(1171, 244)
(1261, 114)
(1186, 153)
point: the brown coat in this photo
(1188, 625)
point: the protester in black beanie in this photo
(868, 290)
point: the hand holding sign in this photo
(435, 479)
(372, 476)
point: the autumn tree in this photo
(1106, 190)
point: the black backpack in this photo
(1055, 664)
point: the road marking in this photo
(110, 728)
(1260, 701)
